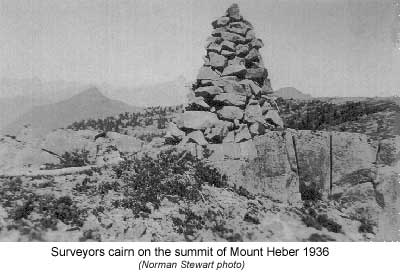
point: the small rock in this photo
(207, 73)
(217, 133)
(233, 37)
(217, 32)
(253, 101)
(213, 47)
(236, 61)
(198, 103)
(233, 12)
(253, 55)
(273, 117)
(229, 138)
(234, 87)
(208, 91)
(251, 87)
(256, 129)
(242, 50)
(217, 61)
(174, 131)
(242, 134)
(253, 113)
(266, 88)
(238, 28)
(206, 62)
(250, 36)
(257, 74)
(266, 107)
(235, 69)
(212, 39)
(197, 137)
(197, 120)
(227, 45)
(230, 99)
(257, 44)
(220, 22)
(228, 54)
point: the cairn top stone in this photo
(233, 12)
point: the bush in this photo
(77, 158)
(320, 238)
(366, 227)
(50, 210)
(318, 221)
(170, 174)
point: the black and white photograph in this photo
(199, 121)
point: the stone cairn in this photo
(231, 99)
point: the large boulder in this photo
(236, 38)
(250, 87)
(220, 22)
(234, 69)
(207, 73)
(240, 28)
(230, 99)
(258, 74)
(233, 12)
(208, 91)
(242, 134)
(242, 50)
(253, 113)
(227, 45)
(174, 133)
(218, 133)
(233, 87)
(197, 103)
(197, 137)
(124, 143)
(217, 61)
(197, 120)
(273, 117)
(214, 48)
(253, 55)
(230, 113)
(257, 129)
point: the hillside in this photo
(162, 94)
(376, 117)
(90, 103)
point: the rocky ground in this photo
(225, 192)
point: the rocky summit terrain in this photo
(224, 169)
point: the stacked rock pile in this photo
(231, 99)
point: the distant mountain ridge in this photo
(291, 93)
(90, 103)
(169, 93)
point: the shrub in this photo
(170, 173)
(366, 227)
(320, 238)
(76, 158)
(50, 210)
(318, 221)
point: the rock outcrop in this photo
(231, 98)
(348, 169)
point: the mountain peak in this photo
(291, 93)
(90, 93)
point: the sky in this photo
(321, 47)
